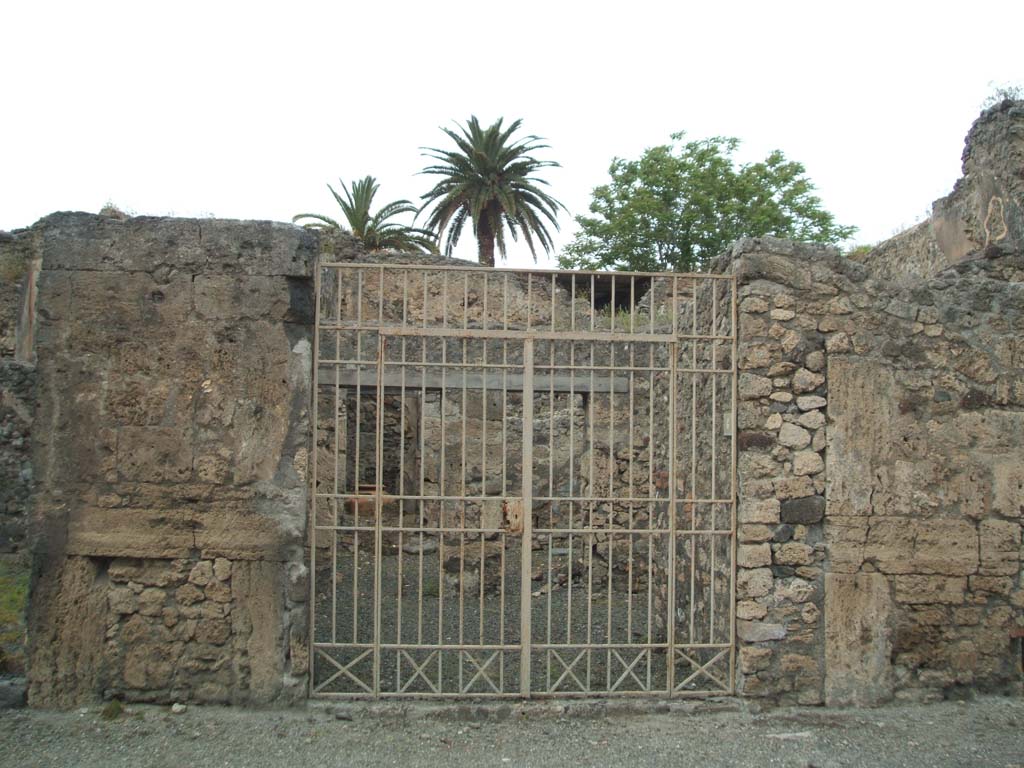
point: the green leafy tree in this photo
(489, 180)
(375, 230)
(681, 204)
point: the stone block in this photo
(754, 659)
(754, 305)
(999, 546)
(793, 436)
(943, 590)
(944, 546)
(122, 600)
(752, 386)
(753, 555)
(807, 381)
(810, 402)
(794, 590)
(803, 511)
(130, 532)
(858, 640)
(808, 463)
(811, 419)
(202, 573)
(1008, 487)
(749, 610)
(794, 553)
(794, 487)
(764, 511)
(754, 533)
(751, 583)
(759, 631)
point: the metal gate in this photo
(523, 483)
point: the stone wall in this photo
(984, 211)
(17, 391)
(170, 451)
(17, 405)
(882, 477)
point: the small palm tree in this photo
(488, 180)
(373, 229)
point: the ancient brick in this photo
(803, 511)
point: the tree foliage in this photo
(489, 179)
(681, 204)
(375, 230)
(1000, 93)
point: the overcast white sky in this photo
(248, 110)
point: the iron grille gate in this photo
(523, 483)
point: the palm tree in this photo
(373, 229)
(488, 180)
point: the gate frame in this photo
(526, 603)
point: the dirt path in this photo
(985, 732)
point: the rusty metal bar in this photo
(525, 607)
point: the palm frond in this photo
(377, 231)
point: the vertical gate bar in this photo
(713, 331)
(529, 300)
(632, 300)
(590, 505)
(629, 474)
(572, 304)
(443, 484)
(337, 468)
(552, 304)
(673, 354)
(378, 536)
(572, 466)
(334, 505)
(462, 502)
(733, 489)
(608, 634)
(551, 482)
(314, 410)
(504, 471)
(355, 458)
(714, 397)
(483, 556)
(547, 633)
(693, 495)
(527, 536)
(612, 306)
(651, 492)
(608, 629)
(483, 461)
(401, 475)
(421, 503)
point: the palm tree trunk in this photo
(485, 244)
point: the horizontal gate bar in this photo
(494, 382)
(683, 277)
(514, 335)
(636, 500)
(613, 532)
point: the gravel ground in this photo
(983, 732)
